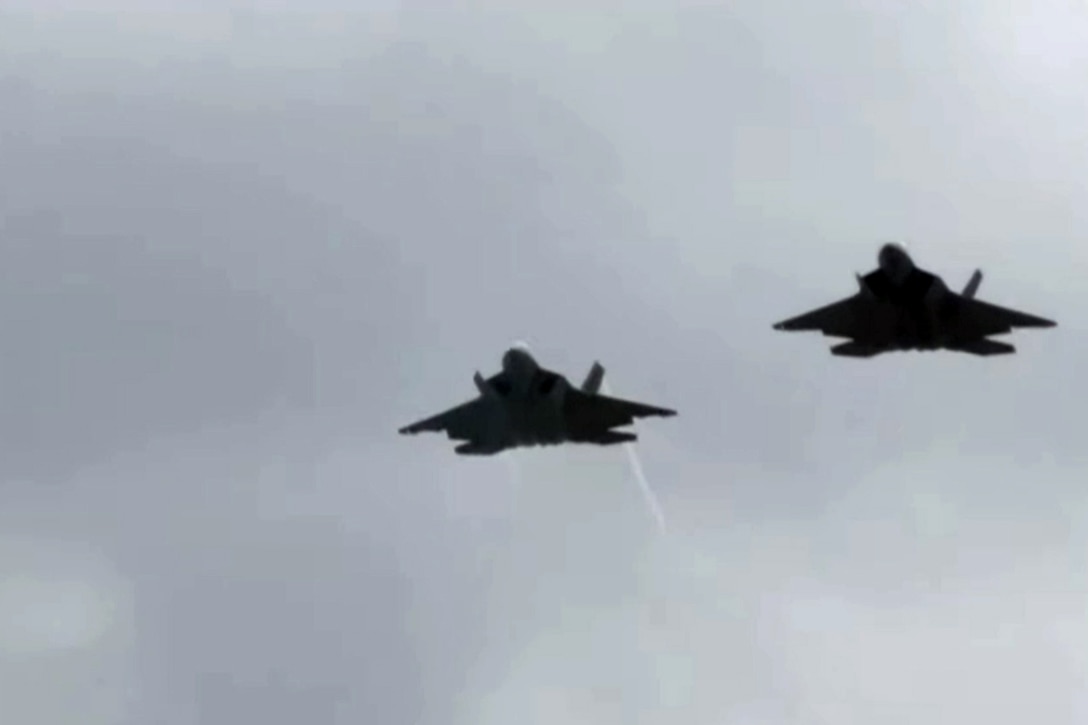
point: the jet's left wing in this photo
(463, 422)
(591, 414)
(979, 319)
(852, 317)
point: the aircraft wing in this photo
(979, 319)
(587, 414)
(851, 317)
(463, 422)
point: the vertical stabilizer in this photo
(593, 381)
(972, 284)
(864, 287)
(485, 388)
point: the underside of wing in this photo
(464, 422)
(979, 319)
(587, 416)
(850, 317)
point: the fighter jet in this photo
(527, 405)
(903, 307)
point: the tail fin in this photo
(864, 286)
(487, 390)
(972, 284)
(593, 381)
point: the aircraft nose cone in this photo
(892, 252)
(895, 262)
(517, 357)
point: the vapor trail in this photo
(640, 475)
(515, 468)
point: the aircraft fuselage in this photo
(528, 410)
(917, 305)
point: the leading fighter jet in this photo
(526, 405)
(902, 307)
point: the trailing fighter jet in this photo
(527, 405)
(903, 307)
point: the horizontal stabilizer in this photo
(475, 449)
(593, 381)
(972, 284)
(855, 349)
(610, 438)
(986, 347)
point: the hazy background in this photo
(240, 247)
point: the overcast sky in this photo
(240, 248)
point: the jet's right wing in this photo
(852, 317)
(979, 319)
(591, 415)
(464, 422)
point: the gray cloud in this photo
(239, 251)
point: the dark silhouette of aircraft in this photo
(526, 405)
(903, 307)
